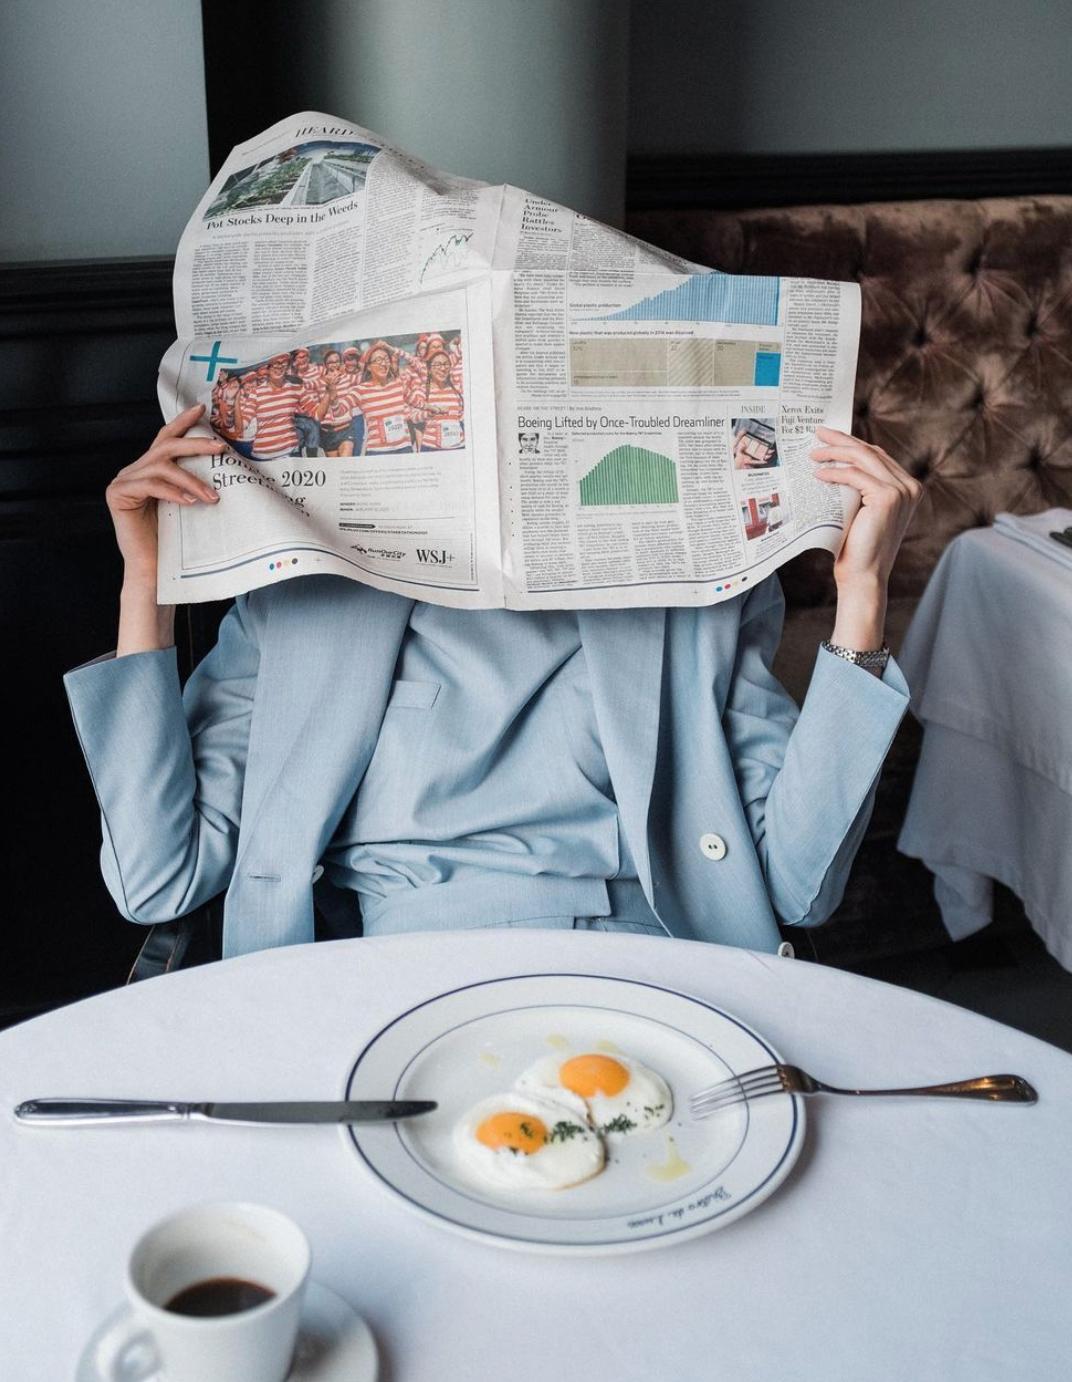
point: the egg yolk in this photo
(518, 1131)
(590, 1075)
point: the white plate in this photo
(659, 1187)
(334, 1345)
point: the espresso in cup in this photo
(219, 1295)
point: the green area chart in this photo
(631, 475)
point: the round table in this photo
(913, 1238)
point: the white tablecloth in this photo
(913, 1239)
(988, 659)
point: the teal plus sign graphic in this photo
(215, 359)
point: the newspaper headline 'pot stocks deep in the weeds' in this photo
(470, 395)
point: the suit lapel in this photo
(329, 650)
(623, 650)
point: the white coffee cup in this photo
(206, 1243)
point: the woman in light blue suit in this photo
(634, 769)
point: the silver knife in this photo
(79, 1112)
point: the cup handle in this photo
(127, 1353)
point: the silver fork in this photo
(790, 1079)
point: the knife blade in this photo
(80, 1112)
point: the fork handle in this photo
(997, 1088)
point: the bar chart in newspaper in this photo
(630, 475)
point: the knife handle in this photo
(72, 1112)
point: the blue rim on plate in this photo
(659, 1187)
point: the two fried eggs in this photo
(550, 1131)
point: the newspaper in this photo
(473, 396)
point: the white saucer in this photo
(334, 1345)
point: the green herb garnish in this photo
(562, 1132)
(619, 1124)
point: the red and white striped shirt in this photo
(223, 401)
(412, 370)
(444, 430)
(310, 375)
(339, 412)
(273, 411)
(388, 413)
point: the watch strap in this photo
(871, 660)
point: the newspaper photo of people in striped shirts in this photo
(331, 403)
(272, 407)
(303, 368)
(397, 395)
(351, 374)
(441, 397)
(385, 398)
(221, 407)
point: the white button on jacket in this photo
(713, 846)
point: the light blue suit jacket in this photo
(239, 782)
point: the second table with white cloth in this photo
(987, 657)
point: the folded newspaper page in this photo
(473, 396)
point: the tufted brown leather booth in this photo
(965, 377)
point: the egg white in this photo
(573, 1152)
(644, 1104)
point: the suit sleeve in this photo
(168, 767)
(807, 779)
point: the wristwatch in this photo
(873, 660)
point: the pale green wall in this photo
(105, 148)
(810, 76)
(532, 92)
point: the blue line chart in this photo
(743, 299)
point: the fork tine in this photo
(750, 1084)
(730, 1098)
(741, 1081)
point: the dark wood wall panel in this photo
(79, 349)
(731, 182)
